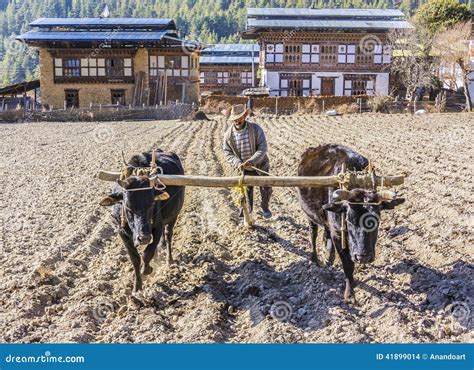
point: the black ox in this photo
(146, 213)
(325, 207)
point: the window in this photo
(328, 54)
(346, 54)
(93, 67)
(382, 54)
(310, 54)
(246, 78)
(363, 57)
(295, 84)
(114, 67)
(72, 98)
(222, 77)
(173, 65)
(292, 54)
(71, 67)
(295, 87)
(358, 85)
(274, 53)
(118, 97)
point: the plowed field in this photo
(65, 276)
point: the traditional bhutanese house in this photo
(324, 51)
(229, 68)
(120, 61)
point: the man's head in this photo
(237, 115)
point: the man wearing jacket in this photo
(245, 146)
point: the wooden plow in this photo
(345, 179)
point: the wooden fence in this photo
(100, 113)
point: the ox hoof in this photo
(147, 270)
(137, 299)
(315, 261)
(349, 298)
(137, 287)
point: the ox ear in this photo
(161, 195)
(110, 200)
(391, 204)
(337, 207)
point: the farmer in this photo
(245, 148)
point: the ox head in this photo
(362, 213)
(138, 197)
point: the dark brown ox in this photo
(325, 207)
(145, 212)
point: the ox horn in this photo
(108, 176)
(385, 195)
(340, 194)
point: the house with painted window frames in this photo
(113, 61)
(307, 52)
(229, 68)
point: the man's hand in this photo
(246, 165)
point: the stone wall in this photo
(280, 105)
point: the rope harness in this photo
(346, 178)
(151, 172)
(241, 189)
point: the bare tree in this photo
(412, 61)
(452, 46)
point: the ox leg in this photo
(348, 266)
(313, 230)
(135, 259)
(329, 247)
(168, 239)
(150, 250)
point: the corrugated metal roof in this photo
(229, 48)
(102, 22)
(91, 36)
(227, 60)
(322, 13)
(314, 24)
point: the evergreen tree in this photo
(210, 21)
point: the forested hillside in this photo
(207, 20)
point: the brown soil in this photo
(66, 277)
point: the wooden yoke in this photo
(354, 179)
